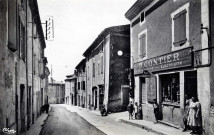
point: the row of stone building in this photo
(164, 55)
(23, 71)
(101, 78)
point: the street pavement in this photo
(72, 120)
(63, 122)
(109, 125)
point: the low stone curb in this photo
(142, 126)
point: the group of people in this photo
(135, 110)
(192, 115)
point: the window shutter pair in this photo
(12, 25)
(180, 28)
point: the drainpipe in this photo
(16, 79)
(32, 73)
(86, 88)
(208, 31)
(26, 8)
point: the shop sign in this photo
(177, 59)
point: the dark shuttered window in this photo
(180, 28)
(101, 64)
(78, 85)
(142, 49)
(93, 69)
(142, 17)
(12, 25)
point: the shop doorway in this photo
(190, 85)
(101, 96)
(94, 97)
(170, 99)
(142, 92)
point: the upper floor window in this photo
(88, 73)
(93, 69)
(83, 85)
(98, 68)
(101, 64)
(142, 44)
(180, 27)
(22, 40)
(142, 17)
(12, 26)
(78, 85)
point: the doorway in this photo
(142, 91)
(22, 107)
(190, 84)
(29, 108)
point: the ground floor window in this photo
(170, 87)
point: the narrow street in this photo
(71, 120)
(63, 122)
(106, 67)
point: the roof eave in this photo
(136, 8)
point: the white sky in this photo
(76, 25)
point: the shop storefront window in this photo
(170, 88)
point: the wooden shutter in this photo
(180, 28)
(12, 25)
(151, 89)
(101, 64)
(142, 48)
(22, 41)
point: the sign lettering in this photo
(177, 59)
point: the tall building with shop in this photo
(81, 83)
(171, 54)
(71, 89)
(22, 64)
(106, 60)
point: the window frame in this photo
(176, 12)
(101, 64)
(144, 20)
(167, 97)
(93, 69)
(144, 32)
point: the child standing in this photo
(156, 111)
(135, 110)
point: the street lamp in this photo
(120, 53)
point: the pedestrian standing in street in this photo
(186, 113)
(136, 110)
(140, 113)
(130, 109)
(194, 117)
(156, 111)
